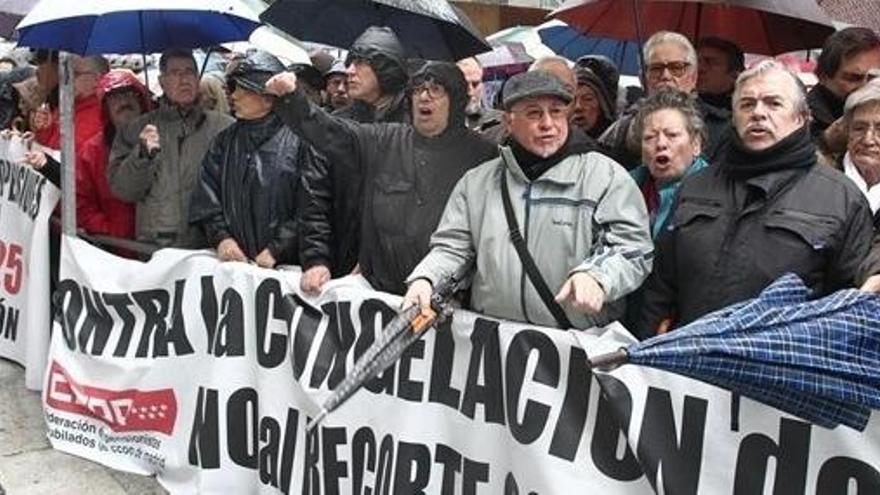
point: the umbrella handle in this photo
(609, 361)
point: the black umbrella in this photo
(406, 328)
(428, 29)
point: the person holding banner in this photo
(245, 200)
(551, 213)
(408, 170)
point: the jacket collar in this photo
(560, 174)
(170, 112)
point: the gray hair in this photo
(672, 99)
(552, 59)
(866, 95)
(766, 66)
(97, 63)
(663, 37)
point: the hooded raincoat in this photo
(98, 211)
(335, 187)
(407, 178)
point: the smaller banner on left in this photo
(26, 202)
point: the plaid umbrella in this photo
(816, 359)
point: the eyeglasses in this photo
(861, 130)
(434, 90)
(676, 69)
(536, 114)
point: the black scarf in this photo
(253, 133)
(534, 166)
(794, 151)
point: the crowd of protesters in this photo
(569, 205)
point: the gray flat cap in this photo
(532, 84)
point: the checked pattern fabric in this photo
(817, 359)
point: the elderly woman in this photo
(595, 107)
(861, 163)
(672, 133)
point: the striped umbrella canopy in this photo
(816, 359)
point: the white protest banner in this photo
(206, 373)
(26, 202)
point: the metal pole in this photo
(68, 160)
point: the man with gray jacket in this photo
(155, 160)
(581, 217)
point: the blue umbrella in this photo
(89, 27)
(816, 359)
(572, 44)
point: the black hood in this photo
(381, 49)
(448, 75)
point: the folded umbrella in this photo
(816, 359)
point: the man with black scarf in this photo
(246, 197)
(765, 208)
(582, 219)
(408, 172)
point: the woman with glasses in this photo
(408, 171)
(861, 163)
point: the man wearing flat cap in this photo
(246, 199)
(580, 216)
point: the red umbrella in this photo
(758, 26)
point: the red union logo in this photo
(121, 410)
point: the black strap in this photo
(528, 262)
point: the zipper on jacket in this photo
(527, 196)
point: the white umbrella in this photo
(269, 39)
(135, 26)
(90, 27)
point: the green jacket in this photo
(585, 214)
(161, 186)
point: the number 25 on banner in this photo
(12, 263)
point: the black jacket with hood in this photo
(333, 188)
(407, 178)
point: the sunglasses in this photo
(676, 69)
